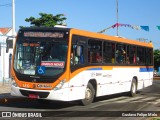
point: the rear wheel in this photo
(89, 95)
(133, 90)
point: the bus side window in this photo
(90, 57)
(120, 54)
(149, 53)
(73, 59)
(141, 55)
(132, 54)
(98, 57)
(108, 52)
(77, 56)
(80, 54)
(94, 48)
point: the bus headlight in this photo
(14, 83)
(60, 85)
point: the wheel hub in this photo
(134, 88)
(88, 94)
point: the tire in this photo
(89, 95)
(133, 90)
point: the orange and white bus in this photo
(68, 64)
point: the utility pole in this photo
(5, 40)
(117, 15)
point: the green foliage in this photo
(46, 20)
(156, 58)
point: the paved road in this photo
(114, 106)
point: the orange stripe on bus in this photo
(107, 68)
(111, 38)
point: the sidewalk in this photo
(156, 78)
(5, 96)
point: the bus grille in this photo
(40, 94)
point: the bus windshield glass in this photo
(40, 56)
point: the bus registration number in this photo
(33, 96)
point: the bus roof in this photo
(43, 28)
(111, 38)
(92, 35)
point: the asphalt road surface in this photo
(145, 105)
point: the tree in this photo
(156, 59)
(47, 20)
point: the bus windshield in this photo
(40, 57)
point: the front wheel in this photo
(89, 95)
(133, 90)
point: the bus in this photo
(67, 64)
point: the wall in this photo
(4, 59)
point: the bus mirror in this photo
(79, 49)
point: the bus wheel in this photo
(133, 90)
(89, 95)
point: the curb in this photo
(156, 78)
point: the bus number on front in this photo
(25, 85)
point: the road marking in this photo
(104, 102)
(131, 99)
(155, 102)
(151, 100)
(114, 99)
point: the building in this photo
(5, 57)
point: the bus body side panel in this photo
(78, 84)
(145, 77)
(109, 81)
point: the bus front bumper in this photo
(60, 95)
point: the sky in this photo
(91, 15)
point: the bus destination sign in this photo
(44, 34)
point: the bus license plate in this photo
(33, 96)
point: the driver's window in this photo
(76, 55)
